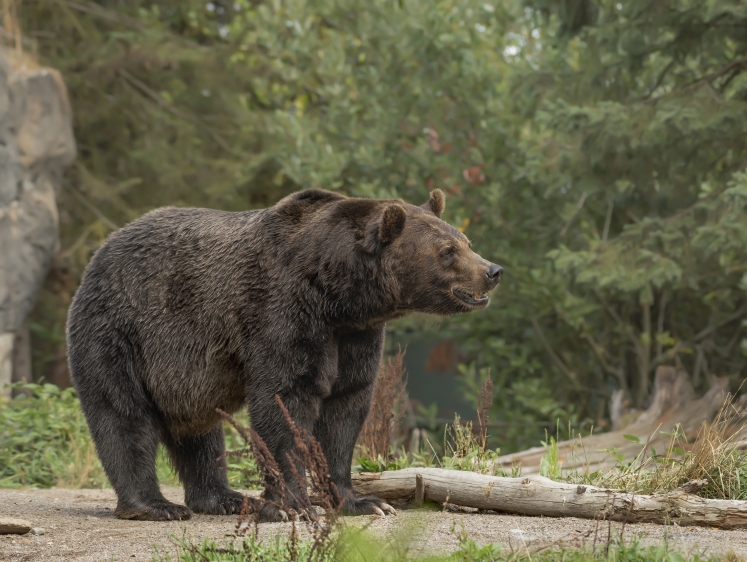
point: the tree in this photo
(638, 113)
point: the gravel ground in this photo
(80, 525)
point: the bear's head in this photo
(433, 263)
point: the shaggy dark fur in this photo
(188, 310)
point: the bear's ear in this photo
(436, 203)
(392, 223)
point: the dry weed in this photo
(713, 456)
(387, 409)
(292, 498)
(484, 402)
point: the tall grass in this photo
(714, 456)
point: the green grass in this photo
(44, 442)
(277, 549)
(362, 546)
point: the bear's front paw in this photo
(226, 502)
(367, 506)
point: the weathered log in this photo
(537, 495)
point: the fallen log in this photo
(537, 495)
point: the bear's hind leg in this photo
(206, 489)
(127, 447)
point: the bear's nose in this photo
(494, 273)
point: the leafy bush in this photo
(44, 442)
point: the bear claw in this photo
(368, 506)
(389, 509)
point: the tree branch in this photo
(624, 325)
(579, 206)
(708, 331)
(660, 323)
(659, 80)
(556, 359)
(91, 207)
(708, 78)
(609, 369)
(147, 91)
(608, 220)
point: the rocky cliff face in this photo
(36, 146)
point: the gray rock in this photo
(36, 146)
(38, 531)
(10, 526)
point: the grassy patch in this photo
(714, 456)
(362, 546)
(44, 442)
(279, 549)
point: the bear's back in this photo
(169, 259)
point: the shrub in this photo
(44, 442)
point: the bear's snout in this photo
(494, 274)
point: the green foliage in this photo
(636, 133)
(379, 464)
(595, 149)
(362, 546)
(249, 549)
(44, 442)
(462, 451)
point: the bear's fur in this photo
(188, 310)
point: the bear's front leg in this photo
(270, 424)
(344, 412)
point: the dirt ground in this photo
(80, 525)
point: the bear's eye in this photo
(447, 252)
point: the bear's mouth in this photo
(472, 299)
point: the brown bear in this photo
(188, 310)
